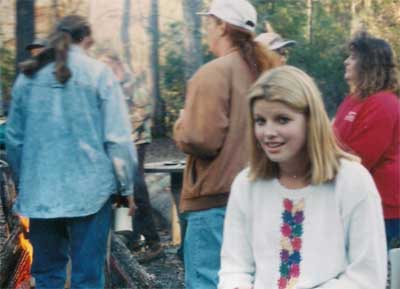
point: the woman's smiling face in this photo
(281, 132)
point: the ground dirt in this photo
(167, 270)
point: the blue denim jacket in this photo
(69, 145)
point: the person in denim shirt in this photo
(69, 144)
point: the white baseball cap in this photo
(236, 12)
(273, 40)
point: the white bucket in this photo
(122, 222)
(394, 257)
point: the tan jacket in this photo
(212, 131)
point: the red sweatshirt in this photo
(370, 129)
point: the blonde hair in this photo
(293, 87)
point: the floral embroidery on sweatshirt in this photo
(291, 242)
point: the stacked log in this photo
(125, 271)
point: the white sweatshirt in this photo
(329, 236)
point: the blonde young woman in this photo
(305, 214)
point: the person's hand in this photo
(180, 113)
(131, 205)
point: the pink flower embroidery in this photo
(288, 205)
(291, 243)
(295, 270)
(296, 244)
(282, 283)
(286, 230)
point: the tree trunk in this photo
(192, 36)
(310, 10)
(56, 12)
(125, 39)
(368, 12)
(1, 94)
(1, 83)
(25, 28)
(159, 104)
(368, 4)
(354, 19)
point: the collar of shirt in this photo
(76, 48)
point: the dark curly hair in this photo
(376, 66)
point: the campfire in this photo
(15, 249)
(25, 244)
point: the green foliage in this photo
(323, 57)
(288, 16)
(7, 62)
(384, 21)
(322, 54)
(172, 77)
(173, 82)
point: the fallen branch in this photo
(125, 269)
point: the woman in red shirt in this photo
(367, 121)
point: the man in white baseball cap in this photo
(211, 128)
(275, 42)
(236, 12)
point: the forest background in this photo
(160, 41)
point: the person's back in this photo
(211, 129)
(69, 146)
(63, 144)
(226, 151)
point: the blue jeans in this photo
(84, 239)
(392, 227)
(202, 247)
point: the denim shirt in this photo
(69, 145)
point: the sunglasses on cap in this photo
(282, 52)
